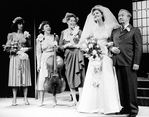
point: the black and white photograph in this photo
(74, 58)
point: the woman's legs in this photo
(25, 96)
(54, 100)
(73, 93)
(14, 91)
(80, 92)
(41, 97)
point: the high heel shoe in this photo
(14, 104)
(26, 102)
(72, 104)
(54, 103)
(39, 105)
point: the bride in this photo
(100, 90)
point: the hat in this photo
(67, 16)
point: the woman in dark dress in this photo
(74, 60)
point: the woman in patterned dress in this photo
(19, 67)
(74, 60)
(45, 44)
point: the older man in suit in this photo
(127, 52)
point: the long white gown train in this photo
(105, 97)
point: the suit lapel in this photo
(125, 31)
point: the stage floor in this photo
(61, 110)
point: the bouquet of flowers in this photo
(94, 52)
(13, 47)
(93, 48)
(75, 34)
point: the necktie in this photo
(122, 28)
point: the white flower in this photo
(128, 29)
(75, 30)
(55, 43)
(90, 45)
(94, 52)
(26, 34)
(98, 46)
(40, 37)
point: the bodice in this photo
(47, 43)
(100, 34)
(21, 39)
(68, 37)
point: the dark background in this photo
(34, 12)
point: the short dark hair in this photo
(42, 25)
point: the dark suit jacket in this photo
(130, 45)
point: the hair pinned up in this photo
(67, 17)
(16, 21)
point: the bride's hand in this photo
(109, 44)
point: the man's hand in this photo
(115, 50)
(135, 67)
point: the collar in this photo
(126, 25)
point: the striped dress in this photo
(19, 69)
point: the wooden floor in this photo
(61, 110)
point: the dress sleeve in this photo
(28, 44)
(38, 51)
(29, 41)
(61, 43)
(9, 39)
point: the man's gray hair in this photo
(129, 14)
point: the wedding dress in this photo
(105, 97)
(100, 91)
